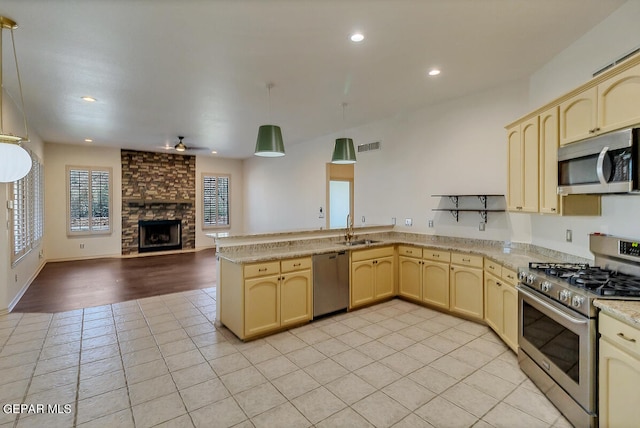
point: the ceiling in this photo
(200, 68)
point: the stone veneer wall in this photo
(157, 186)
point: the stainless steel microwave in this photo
(608, 163)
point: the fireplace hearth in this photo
(159, 235)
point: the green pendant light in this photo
(269, 143)
(343, 151)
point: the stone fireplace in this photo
(159, 235)
(157, 187)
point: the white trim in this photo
(24, 289)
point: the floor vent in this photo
(368, 147)
(616, 62)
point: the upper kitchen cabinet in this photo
(578, 117)
(549, 161)
(522, 192)
(606, 104)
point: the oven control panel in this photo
(629, 248)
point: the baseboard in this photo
(24, 289)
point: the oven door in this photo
(561, 342)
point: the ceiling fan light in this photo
(269, 143)
(344, 152)
(180, 147)
(15, 162)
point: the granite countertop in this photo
(511, 258)
(627, 311)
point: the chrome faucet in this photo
(348, 234)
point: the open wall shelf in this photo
(455, 211)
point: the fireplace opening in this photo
(159, 235)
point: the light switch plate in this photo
(393, 221)
(430, 223)
(408, 222)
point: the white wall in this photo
(14, 279)
(214, 165)
(59, 246)
(456, 147)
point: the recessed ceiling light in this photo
(214, 152)
(89, 99)
(88, 140)
(434, 72)
(357, 37)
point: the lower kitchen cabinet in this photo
(466, 285)
(372, 275)
(501, 302)
(435, 278)
(262, 298)
(410, 272)
(619, 373)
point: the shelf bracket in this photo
(483, 216)
(454, 213)
(454, 200)
(483, 200)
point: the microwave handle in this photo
(600, 164)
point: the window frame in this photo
(90, 170)
(203, 177)
(27, 210)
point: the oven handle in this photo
(555, 310)
(600, 166)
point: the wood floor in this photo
(64, 286)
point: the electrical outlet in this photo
(82, 246)
(430, 223)
(393, 221)
(321, 215)
(363, 220)
(568, 235)
(482, 226)
(16, 277)
(408, 222)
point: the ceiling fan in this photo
(182, 147)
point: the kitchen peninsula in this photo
(265, 281)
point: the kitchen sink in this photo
(359, 242)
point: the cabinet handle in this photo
(466, 260)
(437, 256)
(518, 208)
(409, 252)
(499, 283)
(510, 277)
(296, 264)
(262, 269)
(628, 339)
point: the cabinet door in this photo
(619, 394)
(549, 143)
(435, 283)
(383, 277)
(619, 100)
(362, 283)
(514, 184)
(466, 294)
(530, 148)
(510, 316)
(578, 117)
(410, 277)
(295, 297)
(493, 302)
(261, 305)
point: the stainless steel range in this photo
(557, 328)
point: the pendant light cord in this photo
(24, 113)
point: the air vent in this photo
(368, 147)
(616, 62)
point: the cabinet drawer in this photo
(295, 264)
(466, 260)
(620, 334)
(261, 269)
(436, 255)
(374, 253)
(509, 276)
(407, 251)
(493, 267)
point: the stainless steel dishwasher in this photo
(330, 283)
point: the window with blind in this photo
(27, 206)
(89, 200)
(215, 190)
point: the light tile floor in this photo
(161, 362)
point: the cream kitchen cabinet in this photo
(619, 373)
(261, 298)
(410, 272)
(466, 285)
(501, 302)
(435, 278)
(372, 275)
(612, 104)
(522, 186)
